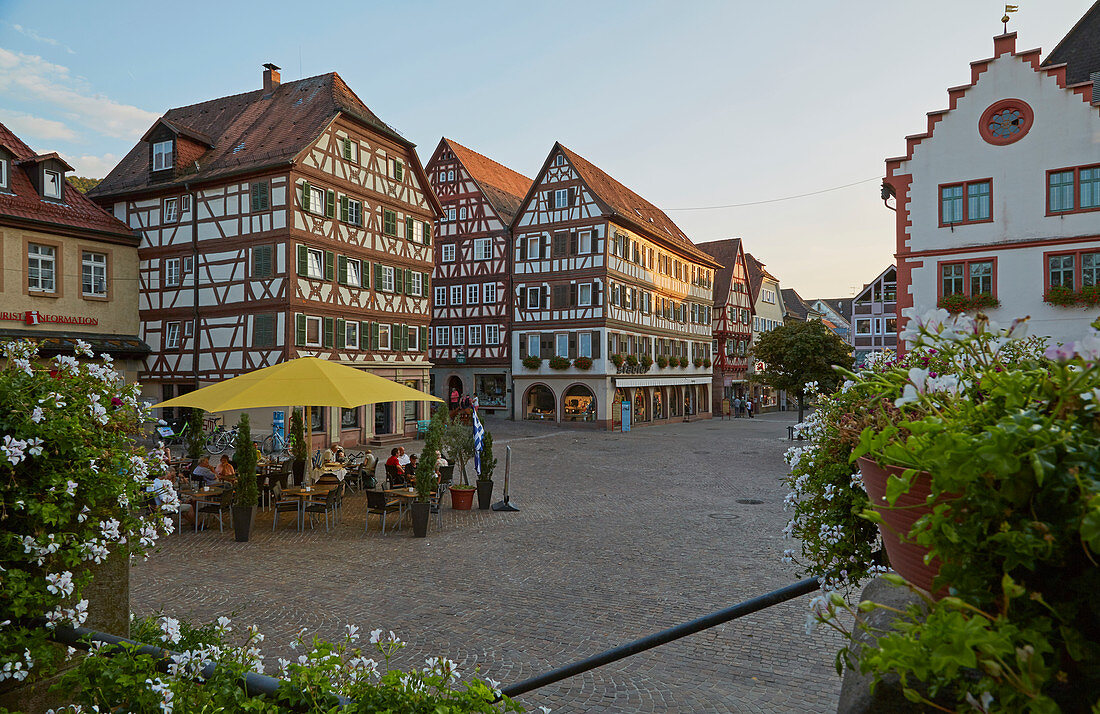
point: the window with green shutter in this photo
(263, 264)
(263, 330)
(427, 233)
(422, 345)
(303, 260)
(389, 222)
(260, 196)
(342, 270)
(329, 328)
(399, 281)
(305, 195)
(340, 332)
(329, 264)
(364, 274)
(425, 288)
(377, 276)
(408, 228)
(364, 335)
(330, 203)
(344, 208)
(347, 148)
(300, 329)
(409, 282)
(398, 169)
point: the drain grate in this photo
(750, 501)
(723, 516)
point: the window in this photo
(458, 335)
(171, 210)
(472, 297)
(475, 334)
(348, 148)
(952, 277)
(442, 336)
(51, 184)
(1061, 191)
(171, 336)
(448, 253)
(354, 271)
(462, 213)
(387, 279)
(584, 242)
(533, 243)
(351, 334)
(440, 295)
(389, 222)
(561, 345)
(384, 335)
(260, 195)
(891, 325)
(1090, 270)
(94, 274)
(971, 277)
(263, 331)
(456, 294)
(969, 202)
(315, 263)
(451, 215)
(397, 169)
(561, 198)
(417, 231)
(534, 345)
(981, 278)
(171, 272)
(1072, 190)
(863, 327)
(559, 160)
(534, 298)
(41, 268)
(489, 293)
(412, 338)
(313, 331)
(492, 335)
(317, 200)
(415, 284)
(355, 212)
(162, 155)
(1060, 271)
(584, 344)
(3, 173)
(584, 294)
(349, 418)
(483, 248)
(451, 175)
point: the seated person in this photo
(411, 468)
(441, 462)
(204, 473)
(403, 458)
(329, 457)
(339, 456)
(161, 489)
(395, 463)
(259, 454)
(225, 470)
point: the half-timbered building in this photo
(731, 320)
(612, 303)
(472, 285)
(283, 222)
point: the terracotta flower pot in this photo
(906, 557)
(462, 499)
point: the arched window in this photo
(639, 406)
(538, 404)
(658, 404)
(578, 404)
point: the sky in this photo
(692, 104)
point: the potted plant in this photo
(299, 449)
(647, 361)
(662, 361)
(583, 363)
(532, 361)
(706, 361)
(485, 478)
(1009, 437)
(247, 494)
(684, 362)
(196, 436)
(424, 479)
(559, 363)
(698, 362)
(458, 441)
(632, 360)
(617, 360)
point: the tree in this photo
(244, 456)
(458, 440)
(196, 437)
(800, 353)
(82, 184)
(425, 479)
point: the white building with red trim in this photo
(998, 202)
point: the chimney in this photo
(271, 79)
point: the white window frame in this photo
(492, 335)
(451, 175)
(559, 160)
(171, 212)
(863, 321)
(447, 253)
(489, 293)
(171, 335)
(356, 265)
(440, 295)
(188, 328)
(355, 212)
(584, 294)
(169, 273)
(46, 258)
(319, 255)
(537, 292)
(473, 296)
(46, 182)
(416, 286)
(561, 345)
(534, 339)
(317, 200)
(584, 242)
(483, 248)
(458, 335)
(561, 198)
(452, 215)
(387, 279)
(475, 335)
(456, 294)
(162, 150)
(3, 173)
(385, 336)
(442, 336)
(185, 203)
(413, 338)
(320, 325)
(462, 213)
(351, 334)
(534, 247)
(97, 265)
(418, 232)
(584, 345)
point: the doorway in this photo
(383, 418)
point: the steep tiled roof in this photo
(842, 306)
(1079, 50)
(249, 131)
(756, 272)
(631, 207)
(503, 187)
(795, 305)
(725, 252)
(22, 201)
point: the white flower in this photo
(375, 636)
(171, 629)
(24, 365)
(65, 362)
(13, 449)
(60, 583)
(84, 349)
(788, 556)
(37, 415)
(351, 632)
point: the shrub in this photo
(617, 360)
(662, 361)
(424, 478)
(488, 460)
(532, 362)
(684, 362)
(299, 449)
(632, 360)
(583, 363)
(559, 362)
(196, 437)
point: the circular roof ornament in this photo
(1006, 121)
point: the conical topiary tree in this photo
(244, 456)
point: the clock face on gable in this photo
(1006, 121)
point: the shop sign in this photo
(34, 317)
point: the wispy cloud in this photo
(28, 32)
(36, 130)
(92, 166)
(31, 78)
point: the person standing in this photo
(474, 402)
(454, 399)
(737, 407)
(748, 408)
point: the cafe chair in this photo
(394, 478)
(222, 504)
(437, 503)
(380, 505)
(282, 505)
(447, 473)
(326, 507)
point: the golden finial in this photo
(1008, 9)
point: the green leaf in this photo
(1090, 529)
(895, 486)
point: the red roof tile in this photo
(631, 207)
(503, 187)
(725, 252)
(78, 212)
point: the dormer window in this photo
(162, 155)
(3, 173)
(51, 184)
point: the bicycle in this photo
(221, 440)
(275, 443)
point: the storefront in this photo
(491, 390)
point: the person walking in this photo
(737, 407)
(748, 408)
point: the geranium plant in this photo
(647, 361)
(559, 363)
(684, 362)
(617, 360)
(662, 361)
(532, 362)
(1087, 296)
(632, 360)
(583, 363)
(959, 303)
(73, 487)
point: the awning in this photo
(659, 381)
(55, 343)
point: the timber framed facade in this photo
(732, 320)
(281, 223)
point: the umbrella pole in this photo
(505, 505)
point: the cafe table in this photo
(303, 494)
(200, 497)
(405, 496)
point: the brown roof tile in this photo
(22, 201)
(631, 207)
(725, 252)
(503, 187)
(756, 273)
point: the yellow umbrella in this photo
(306, 380)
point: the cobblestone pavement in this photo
(618, 536)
